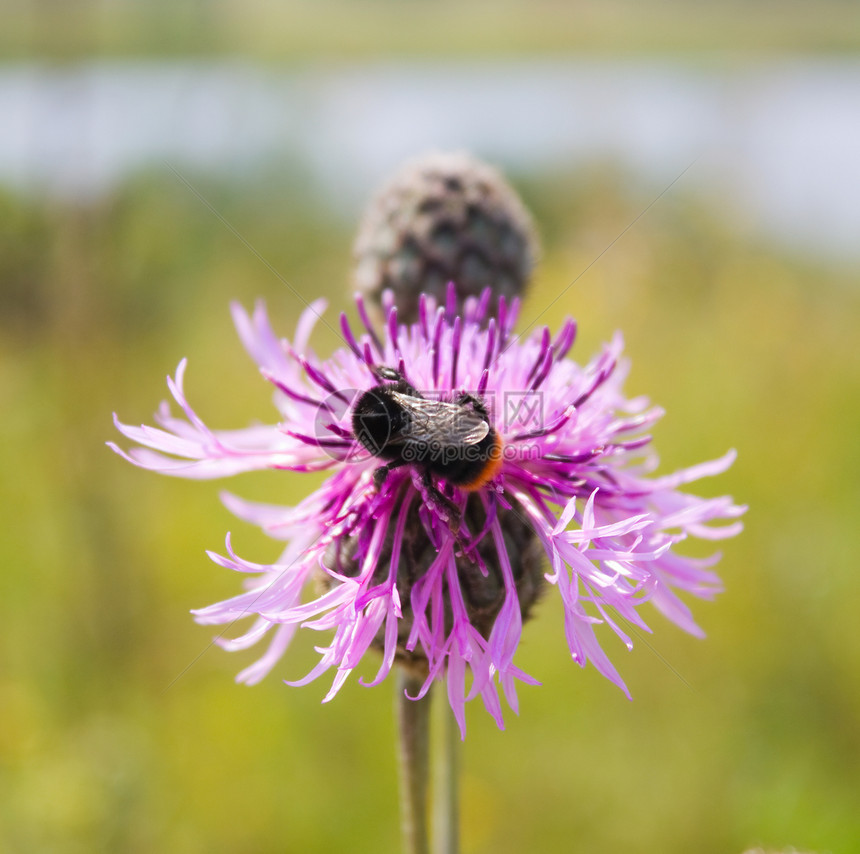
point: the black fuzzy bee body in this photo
(452, 441)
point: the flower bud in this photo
(443, 217)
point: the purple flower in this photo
(572, 473)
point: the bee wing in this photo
(478, 431)
(440, 422)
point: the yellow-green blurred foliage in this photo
(121, 729)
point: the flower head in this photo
(443, 216)
(434, 568)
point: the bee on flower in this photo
(469, 469)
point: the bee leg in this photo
(380, 474)
(446, 508)
(477, 404)
(441, 503)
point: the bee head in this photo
(381, 372)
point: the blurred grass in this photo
(123, 731)
(334, 30)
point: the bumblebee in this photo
(452, 441)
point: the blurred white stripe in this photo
(777, 142)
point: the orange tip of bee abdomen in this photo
(491, 468)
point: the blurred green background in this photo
(121, 729)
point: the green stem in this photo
(446, 803)
(413, 723)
